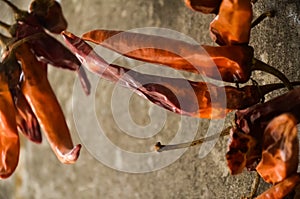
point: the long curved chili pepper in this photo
(281, 189)
(178, 95)
(44, 104)
(280, 149)
(9, 138)
(204, 6)
(232, 25)
(232, 63)
(49, 14)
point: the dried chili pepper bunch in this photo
(234, 61)
(27, 99)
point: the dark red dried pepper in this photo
(40, 96)
(178, 95)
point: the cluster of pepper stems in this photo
(264, 137)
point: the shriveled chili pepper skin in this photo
(9, 138)
(232, 25)
(204, 6)
(49, 14)
(281, 189)
(231, 63)
(280, 149)
(196, 97)
(252, 122)
(42, 99)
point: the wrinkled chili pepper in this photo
(280, 149)
(252, 122)
(9, 138)
(196, 98)
(232, 63)
(40, 96)
(232, 25)
(28, 29)
(204, 6)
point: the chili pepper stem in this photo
(160, 148)
(264, 15)
(19, 14)
(261, 66)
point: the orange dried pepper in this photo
(232, 25)
(44, 104)
(280, 149)
(9, 138)
(175, 94)
(230, 63)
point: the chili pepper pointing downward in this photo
(42, 99)
(9, 138)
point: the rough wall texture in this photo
(40, 175)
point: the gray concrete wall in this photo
(40, 175)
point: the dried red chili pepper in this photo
(40, 96)
(232, 63)
(49, 14)
(196, 99)
(280, 149)
(232, 25)
(204, 6)
(252, 122)
(9, 138)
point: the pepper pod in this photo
(9, 138)
(45, 106)
(230, 63)
(178, 95)
(232, 25)
(26, 120)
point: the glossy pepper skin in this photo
(9, 138)
(204, 6)
(40, 96)
(230, 63)
(232, 25)
(196, 99)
